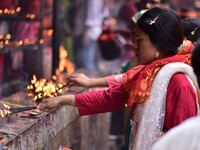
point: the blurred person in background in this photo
(125, 14)
(191, 29)
(197, 7)
(86, 23)
(122, 31)
(148, 4)
(188, 12)
(174, 4)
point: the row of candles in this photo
(16, 11)
(5, 41)
(10, 11)
(45, 88)
(39, 88)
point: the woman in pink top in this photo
(161, 90)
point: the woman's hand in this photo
(49, 103)
(80, 79)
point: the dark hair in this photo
(195, 59)
(166, 33)
(191, 29)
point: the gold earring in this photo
(157, 54)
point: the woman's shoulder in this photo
(179, 79)
(180, 83)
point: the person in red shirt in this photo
(186, 135)
(160, 89)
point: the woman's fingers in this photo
(44, 106)
(41, 106)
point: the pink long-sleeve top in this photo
(180, 101)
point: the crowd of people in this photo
(86, 19)
(161, 92)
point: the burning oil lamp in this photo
(5, 112)
(11, 110)
(44, 88)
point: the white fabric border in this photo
(148, 118)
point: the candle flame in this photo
(44, 88)
(64, 63)
(18, 9)
(5, 112)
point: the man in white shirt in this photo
(87, 27)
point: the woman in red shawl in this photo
(161, 89)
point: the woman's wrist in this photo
(90, 82)
(63, 100)
(98, 82)
(67, 100)
(72, 100)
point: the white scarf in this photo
(149, 117)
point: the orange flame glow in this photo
(5, 112)
(44, 88)
(64, 63)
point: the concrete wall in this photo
(64, 127)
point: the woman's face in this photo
(145, 50)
